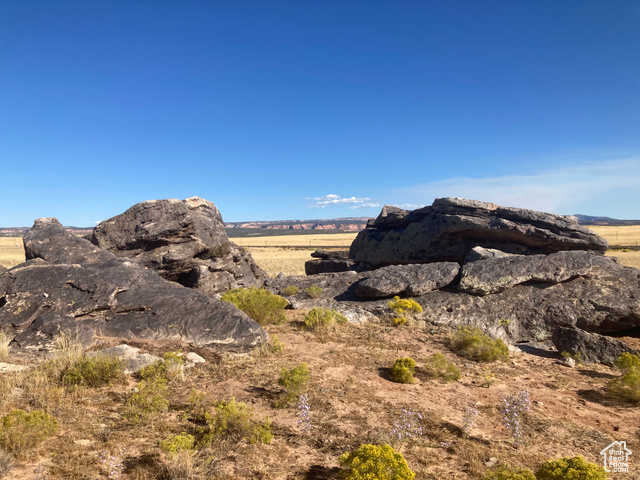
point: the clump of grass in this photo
(437, 366)
(576, 468)
(94, 371)
(473, 344)
(375, 462)
(234, 421)
(403, 309)
(291, 290)
(627, 386)
(4, 346)
(313, 291)
(403, 369)
(21, 431)
(509, 473)
(6, 463)
(273, 346)
(174, 444)
(150, 398)
(320, 318)
(259, 304)
(169, 368)
(294, 382)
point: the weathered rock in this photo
(3, 269)
(589, 347)
(495, 275)
(330, 254)
(607, 300)
(70, 284)
(184, 241)
(409, 280)
(451, 227)
(337, 286)
(331, 265)
(479, 253)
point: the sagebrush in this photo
(259, 304)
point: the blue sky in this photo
(317, 109)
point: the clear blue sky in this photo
(317, 109)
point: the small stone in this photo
(492, 462)
(83, 442)
(568, 362)
(194, 358)
(538, 402)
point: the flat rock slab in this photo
(75, 286)
(589, 347)
(407, 280)
(495, 275)
(451, 227)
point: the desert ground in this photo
(351, 398)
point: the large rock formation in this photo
(589, 347)
(70, 284)
(450, 228)
(184, 241)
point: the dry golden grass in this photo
(312, 240)
(11, 251)
(626, 236)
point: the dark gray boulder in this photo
(184, 241)
(407, 280)
(495, 275)
(70, 284)
(451, 227)
(589, 347)
(329, 261)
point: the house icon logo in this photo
(616, 457)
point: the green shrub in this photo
(473, 344)
(437, 366)
(375, 462)
(151, 397)
(403, 309)
(169, 368)
(291, 290)
(627, 386)
(509, 473)
(21, 431)
(294, 382)
(323, 318)
(402, 370)
(174, 444)
(234, 421)
(313, 291)
(259, 304)
(94, 371)
(576, 468)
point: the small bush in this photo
(375, 462)
(151, 397)
(313, 291)
(169, 368)
(21, 431)
(259, 304)
(94, 371)
(6, 463)
(576, 468)
(323, 318)
(626, 387)
(402, 370)
(4, 346)
(437, 366)
(174, 444)
(403, 309)
(473, 344)
(291, 290)
(294, 382)
(509, 473)
(234, 421)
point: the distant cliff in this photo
(353, 224)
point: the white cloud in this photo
(605, 188)
(365, 205)
(332, 199)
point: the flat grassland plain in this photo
(287, 253)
